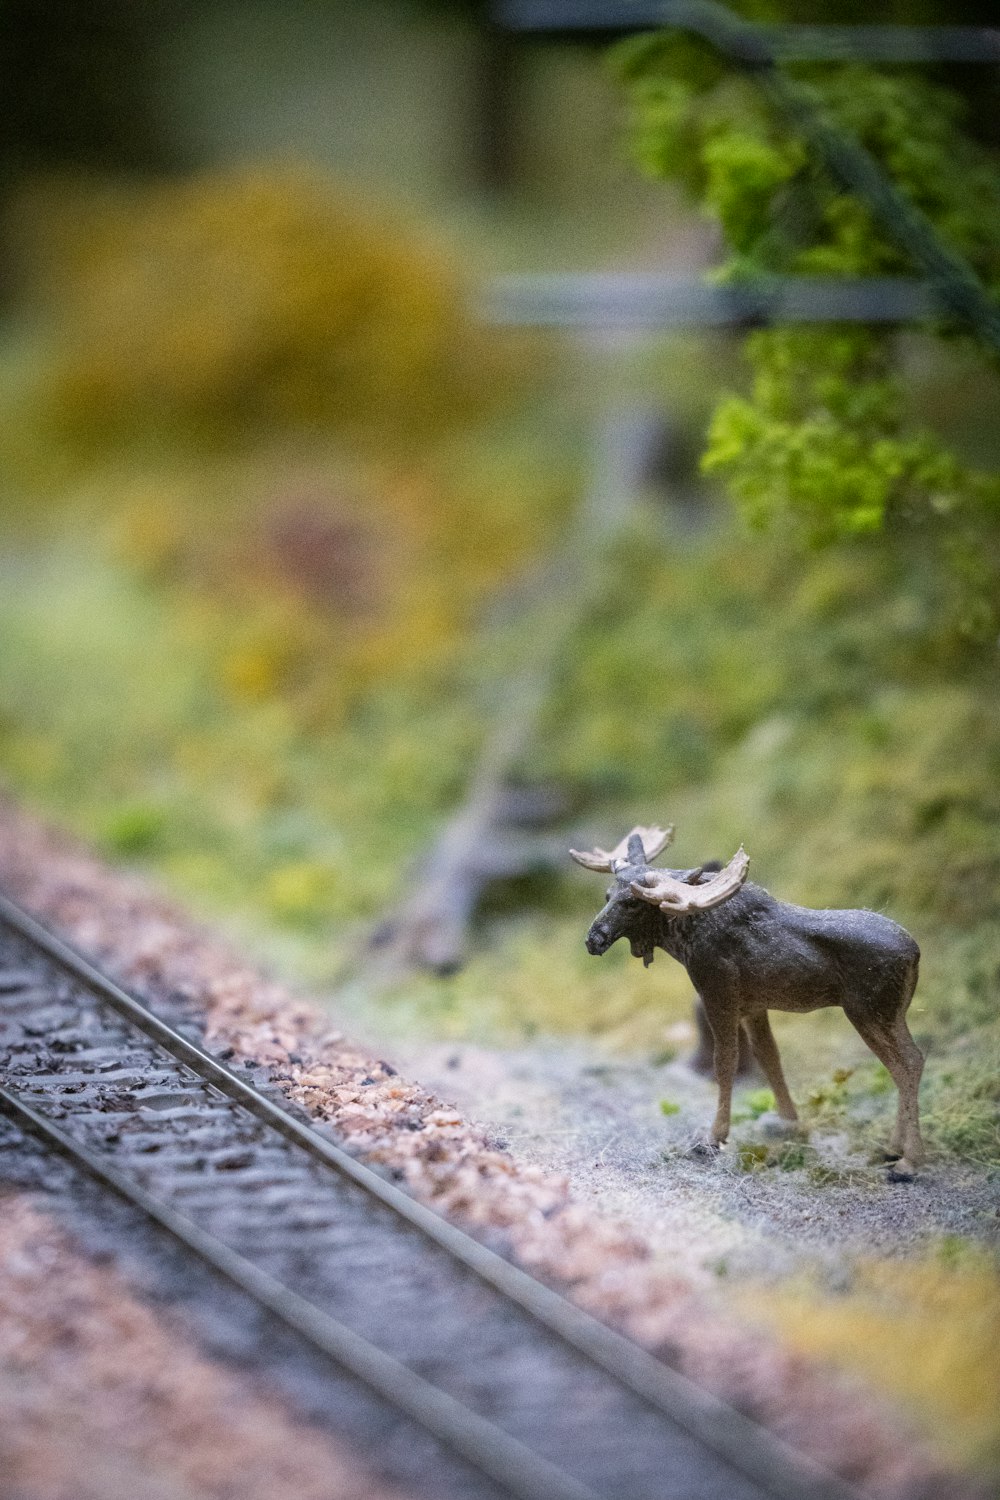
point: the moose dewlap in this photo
(747, 953)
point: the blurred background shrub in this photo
(220, 305)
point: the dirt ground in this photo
(570, 1108)
(566, 1172)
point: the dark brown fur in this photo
(753, 954)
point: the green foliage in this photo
(823, 443)
(134, 829)
(751, 1156)
(828, 1099)
(962, 1098)
(668, 1107)
(795, 1155)
(881, 1082)
(791, 1156)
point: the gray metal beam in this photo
(649, 301)
(955, 282)
(788, 43)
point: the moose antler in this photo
(677, 897)
(654, 841)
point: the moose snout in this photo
(597, 940)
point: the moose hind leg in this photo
(765, 1050)
(906, 1136)
(702, 1059)
(893, 1045)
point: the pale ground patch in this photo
(570, 1107)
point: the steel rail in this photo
(500, 1457)
(747, 1447)
(649, 300)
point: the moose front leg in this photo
(726, 1031)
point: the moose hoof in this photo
(901, 1171)
(703, 1149)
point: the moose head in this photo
(640, 897)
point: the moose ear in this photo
(635, 852)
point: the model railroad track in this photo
(542, 1400)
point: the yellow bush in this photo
(926, 1332)
(300, 891)
(261, 295)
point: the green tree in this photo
(824, 441)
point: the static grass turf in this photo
(925, 1331)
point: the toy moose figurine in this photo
(747, 953)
